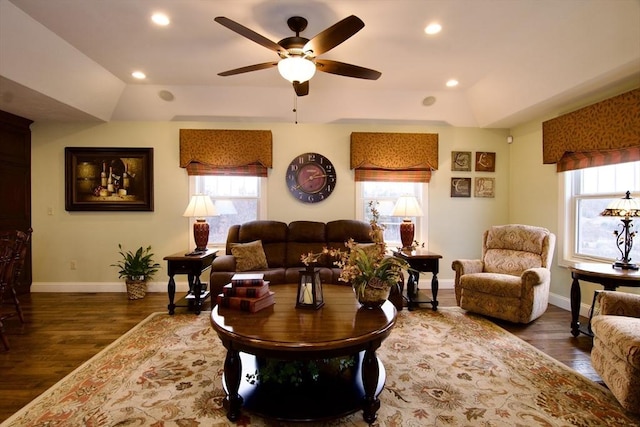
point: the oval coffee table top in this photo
(339, 324)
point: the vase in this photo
(373, 295)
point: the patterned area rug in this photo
(444, 368)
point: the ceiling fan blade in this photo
(301, 89)
(334, 35)
(248, 33)
(348, 70)
(248, 68)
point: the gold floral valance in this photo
(223, 148)
(394, 151)
(613, 124)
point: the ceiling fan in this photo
(299, 56)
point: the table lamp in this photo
(200, 207)
(626, 208)
(407, 207)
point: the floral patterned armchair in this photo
(511, 281)
(616, 345)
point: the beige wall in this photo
(91, 238)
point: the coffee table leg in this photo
(232, 372)
(370, 373)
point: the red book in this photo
(247, 279)
(246, 291)
(250, 305)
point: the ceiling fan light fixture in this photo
(296, 69)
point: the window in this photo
(238, 199)
(589, 191)
(386, 194)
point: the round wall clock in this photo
(311, 177)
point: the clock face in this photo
(311, 177)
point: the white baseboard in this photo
(92, 287)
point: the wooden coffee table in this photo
(339, 328)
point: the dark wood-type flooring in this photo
(63, 330)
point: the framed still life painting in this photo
(108, 179)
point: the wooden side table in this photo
(193, 266)
(421, 261)
(604, 274)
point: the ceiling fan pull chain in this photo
(295, 107)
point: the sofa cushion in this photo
(249, 256)
(273, 235)
(305, 237)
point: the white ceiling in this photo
(516, 60)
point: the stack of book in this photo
(246, 292)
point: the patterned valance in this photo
(226, 152)
(394, 156)
(598, 131)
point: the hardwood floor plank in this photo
(63, 330)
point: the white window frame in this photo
(421, 228)
(262, 206)
(567, 223)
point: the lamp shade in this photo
(296, 69)
(406, 207)
(624, 207)
(200, 206)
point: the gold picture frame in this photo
(108, 179)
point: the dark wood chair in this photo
(13, 251)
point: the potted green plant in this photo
(137, 268)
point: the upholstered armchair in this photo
(511, 281)
(616, 345)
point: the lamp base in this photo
(201, 234)
(407, 231)
(625, 265)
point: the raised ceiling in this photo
(516, 60)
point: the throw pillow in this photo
(249, 256)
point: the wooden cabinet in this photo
(15, 181)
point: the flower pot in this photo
(136, 289)
(373, 294)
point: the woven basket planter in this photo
(136, 289)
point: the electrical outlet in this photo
(73, 264)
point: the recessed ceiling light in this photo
(160, 19)
(433, 28)
(452, 83)
(139, 75)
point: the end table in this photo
(420, 260)
(193, 266)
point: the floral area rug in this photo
(444, 368)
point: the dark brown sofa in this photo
(283, 245)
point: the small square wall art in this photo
(485, 162)
(460, 187)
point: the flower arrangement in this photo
(367, 267)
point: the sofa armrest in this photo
(536, 276)
(619, 303)
(224, 263)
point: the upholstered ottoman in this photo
(616, 346)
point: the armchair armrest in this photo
(535, 276)
(619, 303)
(467, 266)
